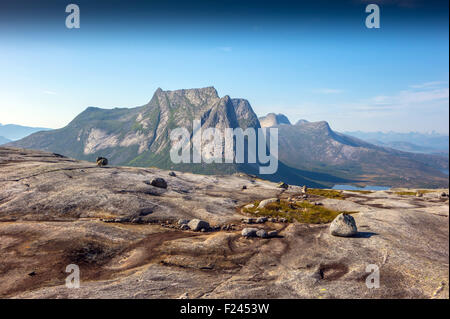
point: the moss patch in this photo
(409, 193)
(328, 193)
(360, 191)
(303, 212)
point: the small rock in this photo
(183, 221)
(304, 189)
(318, 204)
(249, 232)
(101, 161)
(261, 233)
(444, 195)
(343, 225)
(272, 233)
(159, 182)
(249, 206)
(419, 194)
(203, 230)
(283, 185)
(184, 296)
(249, 220)
(273, 220)
(31, 274)
(184, 227)
(197, 224)
(265, 202)
(283, 220)
(172, 174)
(261, 220)
(244, 187)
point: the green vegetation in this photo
(303, 212)
(410, 193)
(328, 193)
(360, 191)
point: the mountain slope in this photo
(140, 136)
(4, 140)
(314, 146)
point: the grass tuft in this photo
(328, 193)
(303, 212)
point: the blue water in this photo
(356, 188)
(445, 171)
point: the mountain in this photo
(310, 153)
(273, 119)
(140, 136)
(430, 143)
(4, 140)
(16, 132)
(314, 146)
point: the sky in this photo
(313, 60)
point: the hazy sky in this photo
(315, 60)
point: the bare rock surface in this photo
(53, 212)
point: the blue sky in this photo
(314, 62)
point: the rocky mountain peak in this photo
(273, 119)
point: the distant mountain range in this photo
(4, 140)
(309, 153)
(13, 132)
(431, 143)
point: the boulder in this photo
(261, 233)
(249, 232)
(265, 202)
(343, 225)
(198, 224)
(183, 221)
(159, 182)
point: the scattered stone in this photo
(419, 194)
(183, 221)
(261, 233)
(318, 204)
(343, 225)
(197, 224)
(249, 206)
(244, 187)
(265, 202)
(249, 232)
(283, 185)
(273, 220)
(272, 233)
(283, 220)
(261, 220)
(172, 174)
(443, 195)
(159, 182)
(31, 274)
(184, 227)
(249, 220)
(101, 161)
